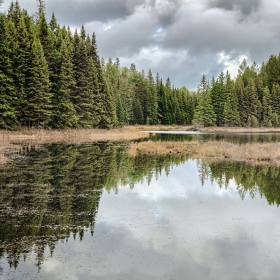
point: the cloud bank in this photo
(182, 39)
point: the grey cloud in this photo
(217, 30)
(246, 6)
(75, 13)
(124, 37)
(202, 28)
(80, 12)
(165, 10)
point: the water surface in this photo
(93, 212)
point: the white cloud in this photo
(182, 39)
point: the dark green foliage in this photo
(82, 96)
(64, 114)
(7, 90)
(253, 99)
(52, 78)
(38, 105)
(204, 112)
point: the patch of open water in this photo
(92, 212)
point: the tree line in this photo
(252, 99)
(51, 77)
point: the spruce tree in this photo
(82, 96)
(7, 90)
(242, 104)
(231, 114)
(64, 114)
(219, 98)
(105, 109)
(21, 67)
(266, 108)
(38, 107)
(204, 112)
(152, 99)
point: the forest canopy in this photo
(51, 77)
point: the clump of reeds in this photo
(72, 136)
(237, 129)
(3, 159)
(162, 147)
(255, 153)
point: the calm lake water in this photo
(93, 212)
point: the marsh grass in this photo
(37, 137)
(72, 136)
(253, 153)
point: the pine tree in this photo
(50, 45)
(242, 104)
(219, 98)
(266, 108)
(231, 114)
(275, 99)
(38, 107)
(82, 96)
(152, 99)
(7, 112)
(21, 63)
(104, 109)
(204, 112)
(252, 99)
(64, 114)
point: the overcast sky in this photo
(182, 39)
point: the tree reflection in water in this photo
(51, 193)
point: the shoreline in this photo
(126, 133)
(254, 153)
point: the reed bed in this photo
(162, 147)
(72, 136)
(254, 153)
(240, 129)
(37, 137)
(257, 153)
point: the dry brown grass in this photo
(162, 147)
(34, 137)
(254, 153)
(73, 136)
(266, 153)
(3, 159)
(161, 127)
(240, 129)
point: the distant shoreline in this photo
(253, 153)
(126, 133)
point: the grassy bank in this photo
(71, 136)
(253, 153)
(257, 153)
(240, 129)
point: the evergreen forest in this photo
(52, 77)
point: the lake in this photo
(92, 211)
